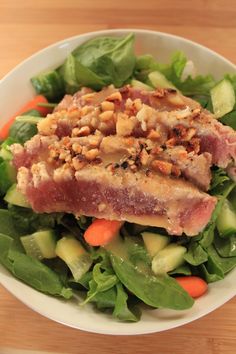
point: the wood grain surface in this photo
(27, 26)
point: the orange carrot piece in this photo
(193, 285)
(33, 104)
(102, 231)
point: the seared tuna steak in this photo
(126, 154)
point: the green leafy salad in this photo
(141, 264)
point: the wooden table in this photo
(27, 26)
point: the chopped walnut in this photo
(124, 125)
(88, 97)
(91, 154)
(76, 147)
(106, 115)
(116, 96)
(153, 135)
(193, 145)
(107, 106)
(78, 163)
(162, 166)
(84, 131)
(144, 157)
(190, 134)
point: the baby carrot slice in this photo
(193, 285)
(33, 104)
(102, 231)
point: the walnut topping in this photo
(89, 96)
(193, 145)
(48, 125)
(105, 127)
(91, 154)
(156, 150)
(106, 115)
(162, 166)
(153, 135)
(124, 124)
(116, 96)
(63, 173)
(85, 110)
(76, 147)
(137, 104)
(160, 92)
(84, 131)
(171, 142)
(144, 157)
(78, 163)
(143, 115)
(190, 134)
(107, 106)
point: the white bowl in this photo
(15, 90)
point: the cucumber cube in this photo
(223, 98)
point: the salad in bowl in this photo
(117, 183)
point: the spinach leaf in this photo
(49, 84)
(226, 247)
(219, 176)
(111, 59)
(102, 256)
(30, 270)
(207, 236)
(137, 252)
(106, 299)
(76, 75)
(28, 222)
(200, 85)
(7, 223)
(68, 74)
(209, 275)
(156, 291)
(5, 244)
(196, 254)
(232, 79)
(85, 279)
(100, 282)
(38, 275)
(121, 310)
(223, 263)
(183, 269)
(229, 119)
(22, 132)
(197, 86)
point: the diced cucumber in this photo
(223, 98)
(74, 255)
(140, 85)
(226, 221)
(154, 242)
(158, 80)
(5, 152)
(15, 197)
(168, 259)
(7, 176)
(40, 245)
